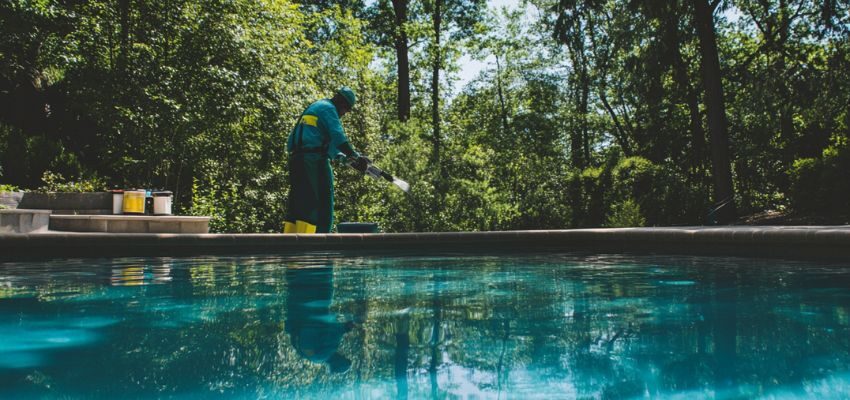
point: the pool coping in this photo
(771, 241)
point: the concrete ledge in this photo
(83, 212)
(785, 242)
(129, 224)
(24, 221)
(11, 199)
(60, 200)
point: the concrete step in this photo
(83, 212)
(129, 223)
(24, 221)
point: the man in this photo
(317, 138)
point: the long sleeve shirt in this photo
(319, 127)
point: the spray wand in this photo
(378, 174)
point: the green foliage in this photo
(659, 193)
(55, 182)
(474, 202)
(821, 186)
(234, 210)
(8, 188)
(400, 154)
(625, 214)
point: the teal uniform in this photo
(314, 141)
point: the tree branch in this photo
(621, 136)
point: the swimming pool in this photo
(325, 325)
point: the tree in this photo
(724, 192)
(455, 19)
(390, 22)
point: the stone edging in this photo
(24, 211)
(129, 217)
(787, 241)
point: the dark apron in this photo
(311, 185)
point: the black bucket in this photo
(357, 227)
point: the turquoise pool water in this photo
(510, 326)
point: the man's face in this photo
(343, 108)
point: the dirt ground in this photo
(791, 218)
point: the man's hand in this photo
(360, 163)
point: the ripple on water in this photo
(25, 345)
(20, 359)
(677, 283)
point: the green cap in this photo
(348, 94)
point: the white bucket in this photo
(117, 202)
(162, 203)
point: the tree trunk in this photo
(717, 124)
(580, 87)
(577, 139)
(435, 83)
(403, 61)
(786, 108)
(585, 134)
(124, 42)
(502, 108)
(691, 97)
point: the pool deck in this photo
(771, 241)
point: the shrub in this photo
(55, 182)
(804, 183)
(822, 185)
(656, 192)
(8, 188)
(625, 214)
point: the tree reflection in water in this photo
(545, 326)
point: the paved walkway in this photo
(781, 241)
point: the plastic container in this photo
(357, 227)
(162, 202)
(148, 202)
(117, 201)
(134, 202)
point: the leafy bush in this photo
(55, 182)
(8, 188)
(635, 185)
(625, 214)
(822, 185)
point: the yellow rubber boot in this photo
(304, 227)
(289, 227)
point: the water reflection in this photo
(402, 344)
(539, 326)
(137, 275)
(315, 331)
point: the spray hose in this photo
(378, 174)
